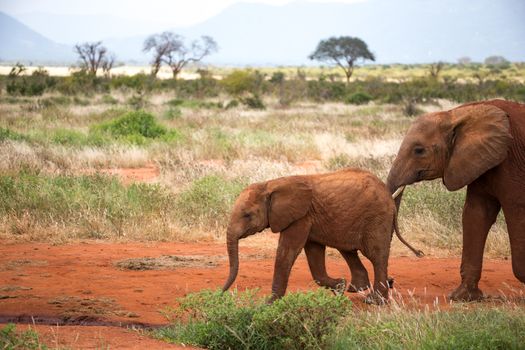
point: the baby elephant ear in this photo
(290, 199)
(480, 138)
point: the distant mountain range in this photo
(406, 31)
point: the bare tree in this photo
(107, 64)
(92, 55)
(170, 48)
(344, 51)
(435, 69)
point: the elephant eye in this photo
(418, 150)
(246, 215)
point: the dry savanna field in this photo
(115, 196)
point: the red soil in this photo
(147, 174)
(78, 286)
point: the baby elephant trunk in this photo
(233, 255)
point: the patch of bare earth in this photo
(91, 294)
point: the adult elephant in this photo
(480, 145)
(348, 210)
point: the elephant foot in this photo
(356, 287)
(336, 285)
(463, 293)
(375, 298)
(359, 286)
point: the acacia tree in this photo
(93, 55)
(344, 51)
(170, 48)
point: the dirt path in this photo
(93, 290)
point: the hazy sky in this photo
(175, 12)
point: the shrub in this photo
(243, 81)
(134, 127)
(358, 98)
(11, 339)
(232, 104)
(109, 100)
(217, 320)
(253, 102)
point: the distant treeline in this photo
(250, 86)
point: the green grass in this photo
(479, 328)
(217, 320)
(208, 200)
(11, 339)
(8, 134)
(320, 320)
(90, 206)
(433, 198)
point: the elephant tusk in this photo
(398, 191)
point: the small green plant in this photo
(172, 113)
(8, 134)
(11, 339)
(253, 102)
(217, 320)
(232, 104)
(134, 127)
(109, 100)
(67, 137)
(358, 98)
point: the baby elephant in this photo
(348, 210)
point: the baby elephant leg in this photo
(360, 279)
(315, 254)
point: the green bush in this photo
(10, 339)
(217, 320)
(253, 102)
(359, 98)
(134, 127)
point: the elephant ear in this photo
(290, 199)
(479, 140)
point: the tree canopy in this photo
(344, 51)
(93, 55)
(170, 48)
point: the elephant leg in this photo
(360, 279)
(515, 218)
(379, 257)
(479, 213)
(291, 242)
(315, 254)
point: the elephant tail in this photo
(417, 252)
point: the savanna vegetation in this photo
(61, 138)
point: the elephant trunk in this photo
(233, 255)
